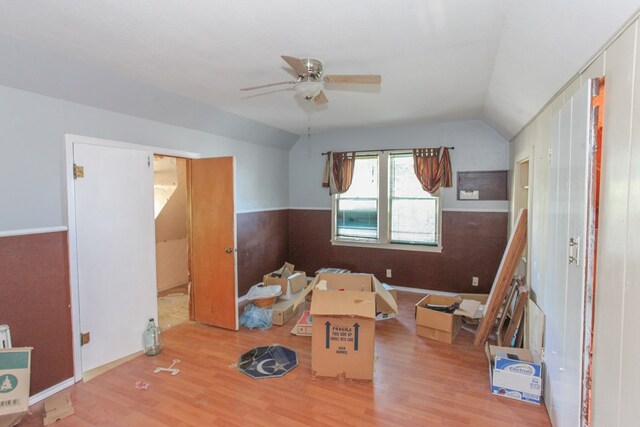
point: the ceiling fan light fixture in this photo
(309, 88)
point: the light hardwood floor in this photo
(418, 382)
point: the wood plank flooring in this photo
(418, 382)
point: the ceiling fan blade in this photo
(267, 85)
(354, 78)
(320, 98)
(296, 64)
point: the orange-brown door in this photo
(212, 242)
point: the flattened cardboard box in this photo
(515, 373)
(303, 326)
(441, 326)
(394, 294)
(56, 408)
(15, 371)
(283, 311)
(343, 335)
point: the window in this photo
(357, 208)
(386, 206)
(413, 212)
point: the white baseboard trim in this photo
(51, 391)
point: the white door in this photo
(570, 179)
(116, 250)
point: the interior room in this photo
(172, 244)
(447, 188)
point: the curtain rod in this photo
(386, 149)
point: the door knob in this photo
(228, 250)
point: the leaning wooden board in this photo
(500, 286)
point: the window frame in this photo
(384, 213)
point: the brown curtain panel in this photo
(338, 172)
(326, 174)
(433, 168)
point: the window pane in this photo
(404, 182)
(357, 208)
(365, 179)
(413, 212)
(414, 221)
(357, 218)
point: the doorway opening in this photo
(112, 270)
(171, 212)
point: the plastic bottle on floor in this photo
(152, 339)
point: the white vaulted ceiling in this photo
(440, 60)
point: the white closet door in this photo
(567, 219)
(581, 155)
(116, 250)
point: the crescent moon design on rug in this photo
(260, 369)
(267, 361)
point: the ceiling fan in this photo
(310, 82)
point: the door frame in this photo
(529, 157)
(70, 140)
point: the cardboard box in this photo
(56, 408)
(12, 420)
(282, 277)
(283, 311)
(438, 325)
(294, 284)
(481, 298)
(343, 307)
(303, 325)
(343, 334)
(515, 373)
(15, 371)
(385, 303)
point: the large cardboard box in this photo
(289, 280)
(343, 308)
(343, 334)
(385, 302)
(15, 371)
(515, 373)
(438, 325)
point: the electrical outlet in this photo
(388, 272)
(474, 281)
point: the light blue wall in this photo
(29, 67)
(477, 147)
(32, 156)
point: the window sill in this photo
(392, 246)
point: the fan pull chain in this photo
(309, 126)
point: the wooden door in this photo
(213, 242)
(115, 250)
